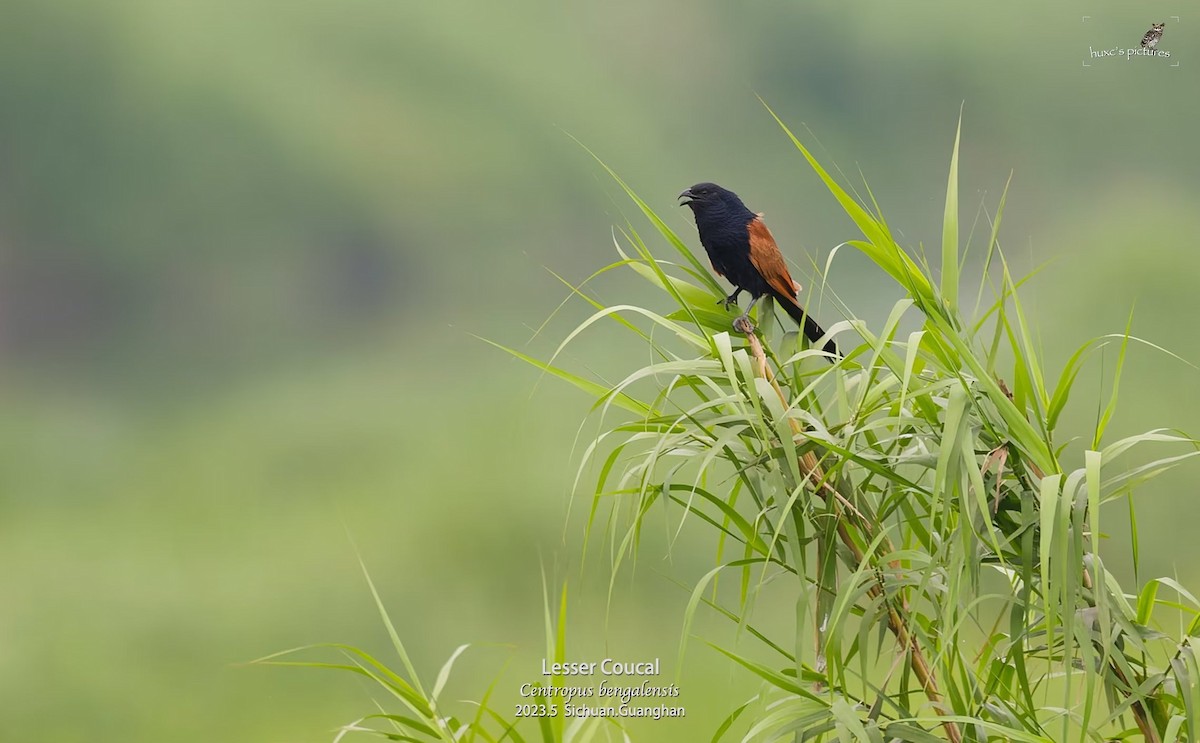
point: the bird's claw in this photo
(742, 324)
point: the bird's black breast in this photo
(726, 239)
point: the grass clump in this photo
(918, 502)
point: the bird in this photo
(1150, 40)
(743, 251)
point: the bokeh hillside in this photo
(245, 249)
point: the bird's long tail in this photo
(812, 330)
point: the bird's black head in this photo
(710, 203)
(707, 194)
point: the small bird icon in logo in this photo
(1150, 40)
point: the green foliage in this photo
(916, 501)
(426, 717)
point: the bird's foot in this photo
(730, 301)
(742, 324)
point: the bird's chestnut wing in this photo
(765, 255)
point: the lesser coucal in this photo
(741, 249)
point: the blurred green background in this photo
(244, 249)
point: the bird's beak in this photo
(687, 195)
